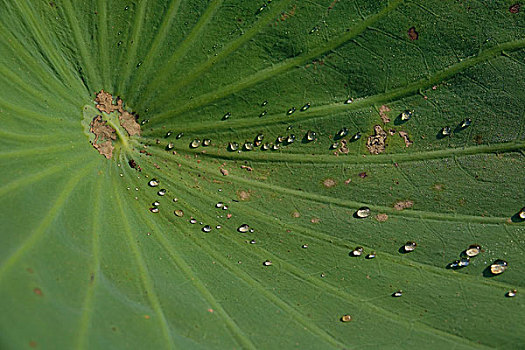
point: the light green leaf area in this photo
(86, 264)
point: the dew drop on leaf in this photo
(358, 251)
(154, 210)
(290, 139)
(179, 135)
(168, 134)
(291, 111)
(259, 137)
(406, 115)
(275, 147)
(263, 113)
(156, 204)
(346, 318)
(206, 142)
(410, 246)
(343, 132)
(265, 147)
(305, 107)
(511, 293)
(264, 103)
(363, 212)
(465, 123)
(178, 213)
(473, 250)
(253, 241)
(218, 227)
(334, 145)
(348, 101)
(193, 221)
(195, 143)
(267, 263)
(279, 139)
(498, 267)
(521, 213)
(219, 205)
(397, 294)
(153, 183)
(226, 116)
(446, 131)
(304, 246)
(169, 146)
(206, 228)
(356, 136)
(162, 192)
(248, 146)
(372, 255)
(233, 146)
(310, 135)
(244, 228)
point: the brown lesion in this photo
(377, 143)
(104, 134)
(405, 137)
(127, 120)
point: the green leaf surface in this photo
(85, 264)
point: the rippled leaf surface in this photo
(85, 264)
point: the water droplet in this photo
(121, 175)
(168, 134)
(219, 205)
(144, 121)
(226, 116)
(291, 111)
(305, 107)
(346, 318)
(253, 241)
(139, 64)
(521, 213)
(218, 227)
(410, 246)
(195, 143)
(261, 9)
(179, 135)
(372, 255)
(290, 127)
(358, 251)
(363, 212)
(275, 147)
(446, 131)
(126, 8)
(119, 43)
(343, 132)
(244, 228)
(465, 123)
(314, 29)
(162, 192)
(178, 212)
(259, 137)
(310, 135)
(233, 146)
(397, 294)
(263, 113)
(264, 103)
(248, 146)
(153, 183)
(498, 267)
(290, 139)
(348, 101)
(356, 137)
(304, 246)
(473, 250)
(267, 263)
(154, 210)
(406, 115)
(155, 204)
(454, 264)
(206, 228)
(265, 147)
(323, 275)
(169, 146)
(175, 199)
(279, 139)
(206, 142)
(511, 293)
(193, 221)
(252, 230)
(225, 207)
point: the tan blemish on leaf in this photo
(438, 187)
(104, 102)
(376, 143)
(383, 110)
(329, 183)
(244, 195)
(38, 291)
(128, 122)
(381, 217)
(296, 214)
(343, 149)
(224, 172)
(248, 168)
(404, 135)
(105, 148)
(103, 136)
(347, 181)
(315, 220)
(403, 205)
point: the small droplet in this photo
(226, 116)
(219, 205)
(248, 146)
(265, 147)
(304, 246)
(290, 127)
(275, 147)
(498, 267)
(153, 183)
(139, 64)
(233, 146)
(264, 103)
(267, 263)
(168, 134)
(244, 228)
(334, 145)
(279, 139)
(175, 199)
(290, 139)
(252, 230)
(206, 228)
(310, 135)
(119, 43)
(263, 113)
(363, 212)
(126, 8)
(195, 143)
(145, 121)
(397, 294)
(410, 246)
(323, 275)
(206, 142)
(348, 101)
(179, 135)
(343, 132)
(358, 251)
(446, 131)
(178, 212)
(291, 111)
(259, 137)
(356, 136)
(473, 250)
(346, 318)
(464, 261)
(314, 29)
(261, 9)
(169, 146)
(218, 227)
(154, 210)
(511, 293)
(253, 241)
(521, 213)
(454, 264)
(193, 221)
(155, 204)
(225, 207)
(257, 143)
(372, 255)
(305, 107)
(465, 123)
(406, 115)
(162, 192)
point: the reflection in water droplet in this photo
(323, 275)
(465, 123)
(498, 267)
(248, 146)
(348, 101)
(521, 213)
(233, 146)
(511, 293)
(363, 212)
(410, 246)
(179, 135)
(175, 199)
(178, 212)
(219, 205)
(195, 143)
(252, 230)
(206, 228)
(371, 255)
(169, 146)
(267, 263)
(253, 241)
(218, 227)
(263, 113)
(154, 210)
(346, 318)
(193, 221)
(168, 134)
(358, 251)
(305, 107)
(153, 183)
(225, 207)
(226, 116)
(265, 147)
(206, 142)
(356, 137)
(290, 139)
(290, 127)
(244, 228)
(406, 115)
(155, 204)
(264, 103)
(291, 111)
(162, 192)
(473, 250)
(343, 132)
(119, 43)
(310, 135)
(139, 64)
(464, 261)
(446, 131)
(397, 294)
(304, 246)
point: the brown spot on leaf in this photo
(515, 8)
(33, 344)
(412, 34)
(248, 168)
(376, 143)
(296, 214)
(30, 270)
(104, 102)
(224, 172)
(404, 135)
(243, 195)
(383, 113)
(315, 220)
(347, 181)
(403, 205)
(438, 187)
(128, 122)
(38, 291)
(343, 149)
(478, 139)
(329, 183)
(105, 148)
(381, 217)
